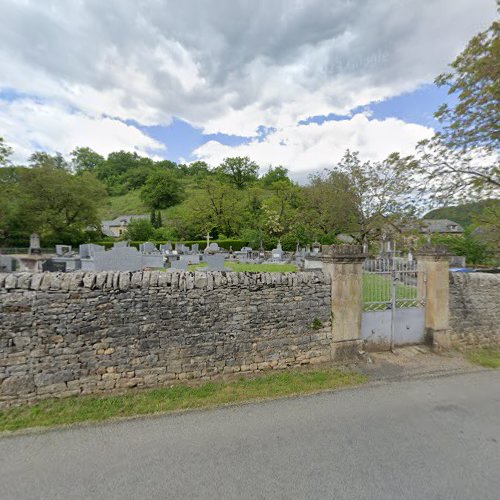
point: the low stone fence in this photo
(64, 334)
(474, 310)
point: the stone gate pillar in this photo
(344, 264)
(433, 267)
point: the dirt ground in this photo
(414, 361)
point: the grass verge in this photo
(490, 358)
(72, 410)
(253, 268)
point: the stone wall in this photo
(474, 310)
(86, 333)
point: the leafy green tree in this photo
(58, 205)
(274, 175)
(241, 171)
(84, 159)
(5, 152)
(473, 122)
(461, 161)
(162, 190)
(139, 230)
(42, 159)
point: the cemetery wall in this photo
(74, 333)
(474, 310)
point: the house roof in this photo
(440, 226)
(123, 219)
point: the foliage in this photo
(461, 162)
(85, 160)
(5, 152)
(52, 412)
(468, 245)
(42, 159)
(240, 171)
(139, 229)
(466, 214)
(51, 201)
(162, 190)
(474, 78)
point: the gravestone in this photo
(148, 247)
(215, 263)
(62, 250)
(178, 265)
(195, 248)
(166, 248)
(35, 244)
(53, 266)
(277, 253)
(212, 248)
(153, 260)
(7, 264)
(88, 250)
(118, 259)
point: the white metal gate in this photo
(393, 302)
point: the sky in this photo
(285, 82)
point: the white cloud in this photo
(310, 147)
(229, 66)
(28, 125)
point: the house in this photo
(118, 226)
(440, 226)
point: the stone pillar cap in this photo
(343, 253)
(435, 251)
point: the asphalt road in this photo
(419, 439)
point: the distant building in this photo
(118, 226)
(440, 226)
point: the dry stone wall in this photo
(474, 310)
(65, 334)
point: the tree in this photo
(162, 190)
(376, 195)
(5, 152)
(42, 159)
(85, 159)
(461, 161)
(58, 205)
(275, 174)
(472, 123)
(139, 230)
(239, 170)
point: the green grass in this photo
(178, 397)
(126, 204)
(252, 268)
(488, 357)
(377, 288)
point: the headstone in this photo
(7, 264)
(51, 265)
(148, 247)
(62, 250)
(178, 265)
(215, 262)
(212, 248)
(277, 253)
(118, 259)
(457, 261)
(195, 248)
(89, 250)
(166, 248)
(35, 244)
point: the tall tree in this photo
(5, 152)
(461, 162)
(162, 190)
(43, 159)
(240, 170)
(85, 159)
